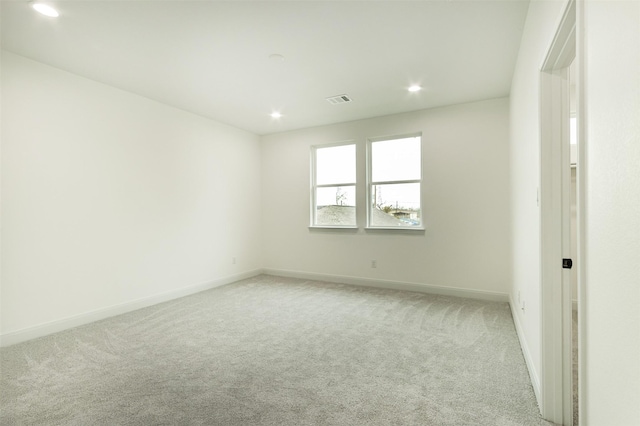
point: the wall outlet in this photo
(374, 263)
(522, 306)
(233, 260)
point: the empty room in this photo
(320, 212)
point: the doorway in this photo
(558, 251)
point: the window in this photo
(394, 182)
(333, 181)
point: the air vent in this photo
(339, 99)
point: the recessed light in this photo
(276, 114)
(45, 9)
(415, 88)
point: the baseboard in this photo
(393, 285)
(533, 374)
(41, 330)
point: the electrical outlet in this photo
(233, 261)
(522, 306)
(374, 263)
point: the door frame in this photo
(556, 389)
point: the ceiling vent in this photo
(339, 99)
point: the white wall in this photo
(612, 299)
(540, 27)
(110, 198)
(466, 200)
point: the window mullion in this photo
(335, 185)
(391, 182)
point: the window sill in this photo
(332, 227)
(395, 228)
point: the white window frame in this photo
(315, 186)
(370, 183)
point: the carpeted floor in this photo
(278, 351)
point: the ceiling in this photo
(212, 58)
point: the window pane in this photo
(395, 205)
(336, 205)
(397, 159)
(336, 164)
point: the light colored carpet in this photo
(278, 351)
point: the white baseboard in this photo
(533, 374)
(45, 329)
(393, 285)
